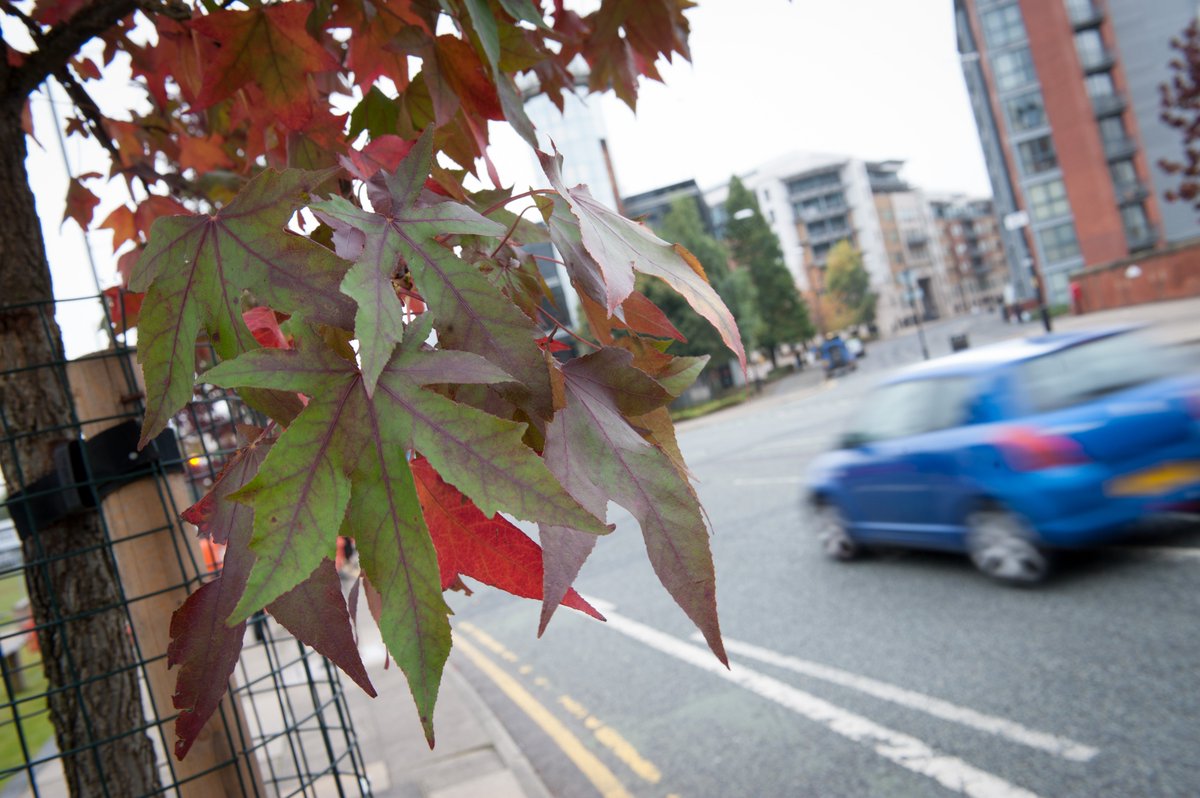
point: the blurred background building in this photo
(1065, 95)
(976, 267)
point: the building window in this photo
(1059, 242)
(1037, 155)
(1090, 47)
(1048, 201)
(1137, 226)
(1112, 130)
(1013, 69)
(1124, 175)
(1003, 26)
(1100, 86)
(1026, 112)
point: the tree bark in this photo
(75, 596)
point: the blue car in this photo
(1007, 451)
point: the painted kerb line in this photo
(1001, 727)
(904, 750)
(603, 779)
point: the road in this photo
(905, 674)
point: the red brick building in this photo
(1065, 95)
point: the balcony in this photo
(816, 214)
(1128, 193)
(916, 238)
(1108, 104)
(1096, 60)
(1084, 15)
(1118, 149)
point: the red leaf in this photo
(52, 12)
(81, 202)
(202, 154)
(385, 152)
(642, 315)
(315, 612)
(123, 225)
(152, 208)
(270, 48)
(27, 120)
(86, 68)
(491, 550)
(459, 66)
(123, 307)
(264, 326)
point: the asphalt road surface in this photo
(906, 674)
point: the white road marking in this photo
(1178, 554)
(768, 481)
(906, 751)
(1002, 727)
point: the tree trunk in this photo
(75, 597)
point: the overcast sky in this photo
(870, 78)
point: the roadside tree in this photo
(848, 283)
(1179, 101)
(754, 247)
(360, 237)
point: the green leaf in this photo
(484, 23)
(195, 269)
(595, 451)
(376, 113)
(341, 466)
(470, 313)
(301, 493)
(525, 11)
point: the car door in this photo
(879, 471)
(911, 481)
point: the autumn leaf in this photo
(205, 647)
(643, 316)
(618, 246)
(194, 270)
(491, 550)
(596, 452)
(81, 202)
(123, 225)
(470, 313)
(340, 467)
(270, 47)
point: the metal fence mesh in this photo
(284, 730)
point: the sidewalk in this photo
(474, 756)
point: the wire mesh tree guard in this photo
(93, 559)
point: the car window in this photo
(914, 407)
(1081, 373)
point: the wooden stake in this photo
(158, 556)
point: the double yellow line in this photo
(603, 779)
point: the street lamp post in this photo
(911, 292)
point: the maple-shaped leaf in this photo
(643, 316)
(340, 467)
(371, 53)
(618, 246)
(470, 313)
(593, 448)
(81, 202)
(205, 647)
(270, 47)
(194, 271)
(491, 550)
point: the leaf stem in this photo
(531, 193)
(566, 329)
(512, 229)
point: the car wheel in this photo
(833, 535)
(1001, 546)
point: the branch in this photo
(59, 45)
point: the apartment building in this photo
(976, 267)
(1065, 96)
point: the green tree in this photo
(754, 247)
(683, 225)
(848, 281)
